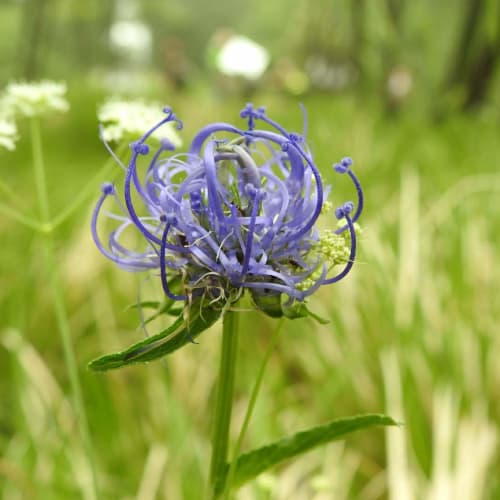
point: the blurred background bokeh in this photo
(410, 90)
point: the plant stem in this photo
(85, 192)
(250, 408)
(70, 359)
(7, 191)
(21, 218)
(47, 225)
(224, 398)
(39, 171)
(58, 298)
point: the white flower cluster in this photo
(35, 98)
(129, 120)
(24, 99)
(8, 133)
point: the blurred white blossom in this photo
(127, 120)
(240, 56)
(35, 98)
(8, 133)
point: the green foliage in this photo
(354, 44)
(253, 463)
(300, 310)
(168, 307)
(426, 287)
(276, 306)
(191, 323)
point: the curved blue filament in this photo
(231, 214)
(163, 268)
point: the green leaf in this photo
(300, 310)
(145, 304)
(251, 464)
(174, 311)
(167, 307)
(273, 305)
(269, 304)
(184, 329)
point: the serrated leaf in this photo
(182, 331)
(250, 465)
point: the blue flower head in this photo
(237, 211)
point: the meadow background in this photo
(410, 90)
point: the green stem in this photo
(224, 398)
(250, 408)
(58, 298)
(69, 358)
(39, 171)
(86, 192)
(7, 191)
(21, 218)
(48, 226)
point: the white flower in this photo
(8, 133)
(36, 98)
(129, 120)
(241, 56)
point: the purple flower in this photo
(237, 211)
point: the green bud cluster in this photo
(331, 248)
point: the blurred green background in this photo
(410, 90)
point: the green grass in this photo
(413, 329)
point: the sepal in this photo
(272, 304)
(300, 310)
